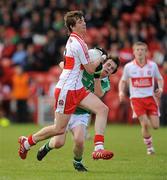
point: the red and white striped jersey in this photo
(75, 56)
(141, 79)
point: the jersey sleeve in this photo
(125, 75)
(156, 72)
(82, 52)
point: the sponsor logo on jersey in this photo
(148, 72)
(143, 82)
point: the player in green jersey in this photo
(99, 84)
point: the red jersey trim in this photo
(82, 45)
(135, 62)
(75, 34)
(69, 62)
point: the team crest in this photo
(148, 72)
(61, 102)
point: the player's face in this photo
(80, 26)
(140, 52)
(108, 68)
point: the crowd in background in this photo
(33, 36)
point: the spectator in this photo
(19, 57)
(20, 93)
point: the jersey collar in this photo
(74, 34)
(136, 63)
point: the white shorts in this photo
(78, 119)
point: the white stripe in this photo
(62, 96)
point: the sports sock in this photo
(30, 142)
(148, 142)
(47, 147)
(77, 159)
(99, 142)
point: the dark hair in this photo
(116, 60)
(70, 19)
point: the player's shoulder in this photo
(129, 64)
(151, 62)
(72, 41)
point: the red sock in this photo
(98, 140)
(31, 141)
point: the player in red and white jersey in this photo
(140, 75)
(70, 92)
(75, 56)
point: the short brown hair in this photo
(71, 17)
(139, 43)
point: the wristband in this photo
(98, 70)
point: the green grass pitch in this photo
(129, 163)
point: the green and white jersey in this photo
(88, 82)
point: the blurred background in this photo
(32, 40)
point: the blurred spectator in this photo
(36, 27)
(58, 22)
(20, 94)
(5, 95)
(30, 58)
(19, 57)
(32, 32)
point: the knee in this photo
(58, 144)
(144, 126)
(104, 109)
(155, 123)
(79, 142)
(59, 130)
(156, 126)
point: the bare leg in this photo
(93, 103)
(154, 120)
(79, 138)
(144, 125)
(57, 141)
(144, 121)
(57, 129)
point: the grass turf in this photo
(129, 163)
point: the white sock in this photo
(100, 146)
(148, 142)
(27, 145)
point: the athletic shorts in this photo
(78, 119)
(146, 105)
(66, 101)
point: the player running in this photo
(140, 75)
